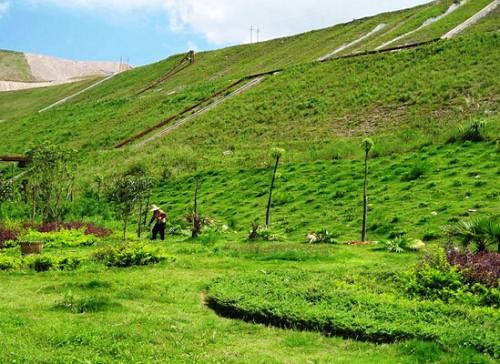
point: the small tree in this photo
(123, 194)
(143, 188)
(276, 153)
(50, 180)
(367, 145)
(6, 193)
(98, 179)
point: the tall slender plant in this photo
(367, 145)
(197, 224)
(276, 153)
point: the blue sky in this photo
(145, 31)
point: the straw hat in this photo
(153, 208)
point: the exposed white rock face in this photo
(44, 68)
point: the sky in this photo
(145, 31)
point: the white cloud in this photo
(4, 6)
(228, 21)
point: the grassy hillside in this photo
(411, 193)
(13, 67)
(18, 104)
(429, 32)
(200, 299)
(313, 110)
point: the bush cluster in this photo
(438, 278)
(127, 255)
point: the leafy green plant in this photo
(127, 255)
(337, 307)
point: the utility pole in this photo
(251, 34)
(258, 32)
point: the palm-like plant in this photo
(481, 232)
(276, 153)
(367, 145)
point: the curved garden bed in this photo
(324, 303)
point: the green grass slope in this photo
(411, 193)
(13, 67)
(425, 91)
(18, 104)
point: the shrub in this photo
(430, 235)
(68, 263)
(263, 233)
(128, 255)
(482, 267)
(418, 170)
(473, 132)
(321, 236)
(7, 234)
(74, 304)
(7, 263)
(40, 263)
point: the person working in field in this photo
(160, 219)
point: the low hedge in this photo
(322, 302)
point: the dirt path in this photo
(348, 45)
(471, 21)
(203, 110)
(426, 23)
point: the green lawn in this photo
(157, 314)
